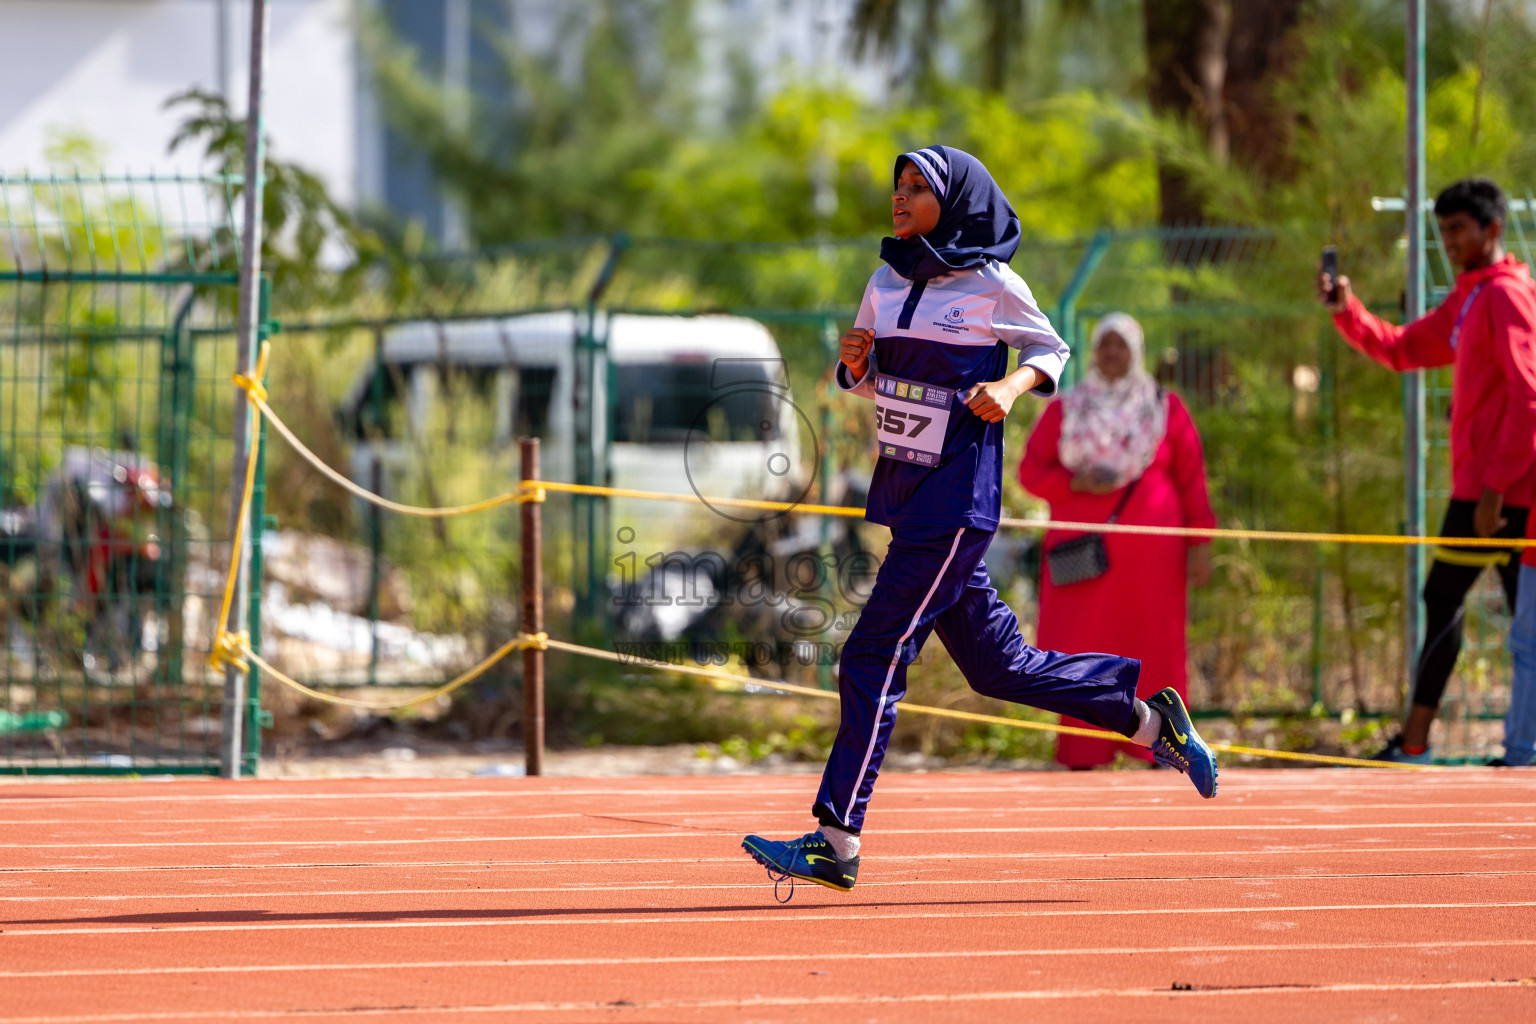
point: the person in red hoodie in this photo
(1484, 329)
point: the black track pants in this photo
(1451, 576)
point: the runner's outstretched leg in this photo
(982, 635)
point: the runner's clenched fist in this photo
(855, 351)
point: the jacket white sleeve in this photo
(1020, 324)
(865, 385)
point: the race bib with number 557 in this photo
(910, 419)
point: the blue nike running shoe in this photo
(1179, 746)
(809, 858)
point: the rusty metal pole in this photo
(533, 614)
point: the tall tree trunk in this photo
(923, 44)
(1262, 51)
(1213, 63)
(1005, 31)
(1187, 68)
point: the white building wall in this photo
(104, 69)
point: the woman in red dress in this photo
(1116, 430)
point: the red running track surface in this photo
(1310, 895)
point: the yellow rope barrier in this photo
(226, 645)
(1292, 536)
(732, 681)
(234, 647)
(535, 641)
(341, 481)
(722, 679)
(535, 490)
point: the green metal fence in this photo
(1300, 430)
(117, 297)
(1300, 434)
(114, 467)
(1297, 436)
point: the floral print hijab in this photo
(1116, 424)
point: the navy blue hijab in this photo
(976, 223)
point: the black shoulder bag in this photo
(1084, 558)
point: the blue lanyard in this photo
(1465, 306)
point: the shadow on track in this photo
(366, 916)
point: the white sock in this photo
(844, 844)
(1151, 722)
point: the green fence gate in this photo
(116, 305)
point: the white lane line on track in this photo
(892, 787)
(819, 955)
(1316, 849)
(798, 812)
(250, 819)
(650, 885)
(785, 1001)
(696, 834)
(664, 916)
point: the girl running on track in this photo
(930, 348)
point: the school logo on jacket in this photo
(953, 322)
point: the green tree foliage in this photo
(318, 254)
(615, 152)
(605, 137)
(1345, 98)
(563, 159)
(1014, 48)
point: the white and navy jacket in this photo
(953, 331)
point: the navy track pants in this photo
(933, 580)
